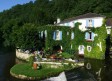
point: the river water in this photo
(94, 70)
(7, 60)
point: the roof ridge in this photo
(87, 15)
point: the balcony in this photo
(89, 40)
(88, 27)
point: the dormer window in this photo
(89, 36)
(57, 35)
(89, 23)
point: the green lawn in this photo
(44, 72)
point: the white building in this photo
(87, 21)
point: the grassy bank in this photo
(25, 71)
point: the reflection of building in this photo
(95, 69)
(101, 70)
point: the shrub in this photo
(66, 55)
(31, 60)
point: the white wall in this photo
(98, 21)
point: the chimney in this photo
(58, 20)
(72, 24)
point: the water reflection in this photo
(7, 60)
(100, 70)
(95, 68)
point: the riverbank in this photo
(22, 56)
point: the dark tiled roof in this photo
(109, 22)
(88, 15)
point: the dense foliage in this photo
(42, 12)
(100, 37)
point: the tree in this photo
(27, 37)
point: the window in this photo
(45, 33)
(57, 35)
(72, 35)
(71, 46)
(89, 23)
(41, 34)
(108, 30)
(89, 48)
(89, 36)
(81, 49)
(67, 33)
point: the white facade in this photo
(98, 21)
(94, 21)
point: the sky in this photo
(7, 4)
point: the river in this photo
(7, 60)
(94, 70)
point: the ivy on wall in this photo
(79, 39)
(66, 37)
(96, 52)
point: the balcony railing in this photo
(89, 40)
(88, 27)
